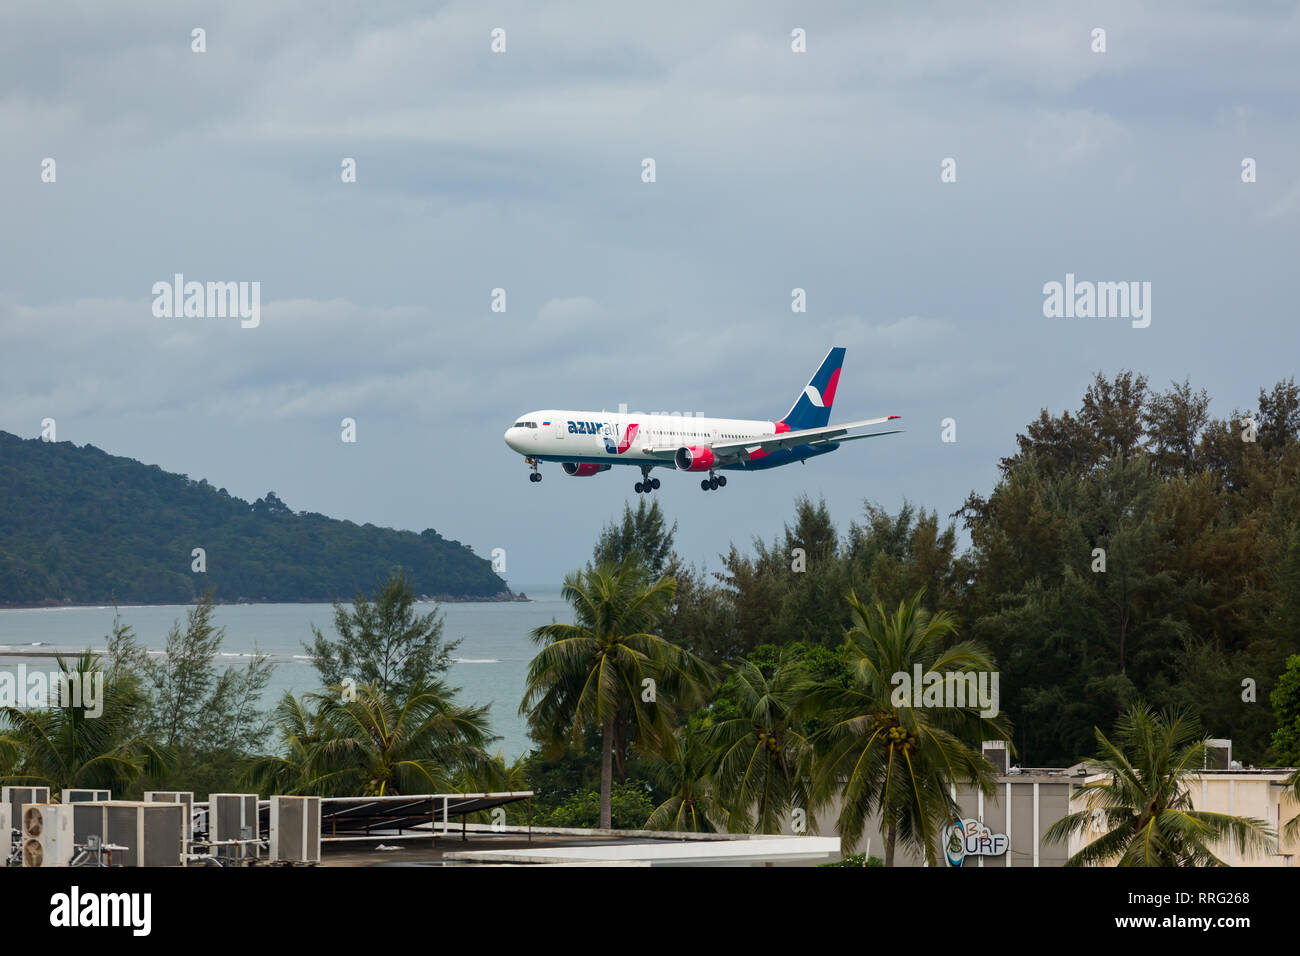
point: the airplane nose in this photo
(511, 437)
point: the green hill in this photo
(81, 526)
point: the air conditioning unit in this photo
(85, 796)
(47, 834)
(87, 822)
(295, 829)
(233, 816)
(170, 796)
(148, 834)
(183, 797)
(1218, 754)
(996, 752)
(16, 797)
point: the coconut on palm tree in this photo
(885, 757)
(760, 776)
(608, 671)
(1144, 807)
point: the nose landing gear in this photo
(532, 463)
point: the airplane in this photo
(587, 443)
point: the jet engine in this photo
(575, 470)
(694, 458)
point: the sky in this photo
(522, 170)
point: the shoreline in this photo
(51, 605)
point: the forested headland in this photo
(80, 526)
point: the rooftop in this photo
(482, 845)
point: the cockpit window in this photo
(525, 424)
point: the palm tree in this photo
(887, 758)
(492, 775)
(374, 744)
(607, 671)
(1145, 806)
(685, 773)
(760, 776)
(79, 746)
(1291, 830)
(299, 730)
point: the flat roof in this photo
(487, 845)
(664, 852)
(1039, 774)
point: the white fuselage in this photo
(620, 438)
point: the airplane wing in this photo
(892, 431)
(660, 451)
(807, 436)
(732, 451)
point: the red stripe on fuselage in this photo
(628, 436)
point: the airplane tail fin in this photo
(812, 409)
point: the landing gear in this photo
(713, 482)
(646, 484)
(532, 463)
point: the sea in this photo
(489, 666)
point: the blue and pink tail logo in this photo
(812, 409)
(624, 443)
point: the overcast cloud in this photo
(522, 171)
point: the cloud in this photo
(560, 315)
(522, 171)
